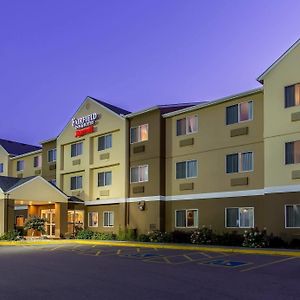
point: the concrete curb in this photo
(293, 253)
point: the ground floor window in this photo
(242, 217)
(292, 216)
(75, 220)
(186, 218)
(20, 220)
(93, 219)
(108, 219)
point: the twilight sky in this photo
(133, 54)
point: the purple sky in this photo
(133, 54)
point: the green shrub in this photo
(103, 236)
(157, 236)
(143, 238)
(181, 237)
(295, 244)
(276, 242)
(85, 234)
(35, 223)
(253, 238)
(229, 239)
(202, 236)
(10, 236)
(127, 235)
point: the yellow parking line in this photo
(268, 264)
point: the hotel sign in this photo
(84, 125)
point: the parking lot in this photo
(75, 271)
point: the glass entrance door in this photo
(49, 216)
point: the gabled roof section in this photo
(16, 148)
(118, 110)
(8, 183)
(262, 76)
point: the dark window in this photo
(104, 142)
(232, 114)
(1, 168)
(76, 182)
(104, 178)
(292, 152)
(232, 163)
(76, 149)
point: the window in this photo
(292, 95)
(75, 220)
(186, 218)
(76, 182)
(76, 149)
(93, 219)
(139, 134)
(104, 142)
(292, 152)
(108, 219)
(52, 155)
(239, 112)
(20, 165)
(187, 125)
(20, 220)
(1, 167)
(242, 217)
(104, 178)
(139, 174)
(37, 161)
(292, 216)
(239, 162)
(186, 169)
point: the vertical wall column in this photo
(61, 219)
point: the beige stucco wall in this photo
(48, 169)
(4, 158)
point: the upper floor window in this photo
(20, 165)
(292, 95)
(242, 217)
(104, 142)
(76, 182)
(187, 125)
(292, 216)
(139, 174)
(139, 133)
(186, 169)
(292, 152)
(52, 155)
(239, 112)
(239, 162)
(76, 149)
(104, 178)
(1, 167)
(37, 161)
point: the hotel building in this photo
(231, 164)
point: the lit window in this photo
(76, 149)
(52, 155)
(1, 167)
(139, 133)
(76, 182)
(186, 169)
(20, 165)
(239, 112)
(93, 219)
(104, 142)
(20, 220)
(292, 152)
(242, 217)
(75, 220)
(292, 95)
(187, 125)
(108, 219)
(139, 174)
(37, 161)
(292, 216)
(239, 162)
(186, 218)
(104, 178)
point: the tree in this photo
(35, 223)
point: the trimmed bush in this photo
(253, 238)
(157, 236)
(143, 238)
(202, 236)
(85, 234)
(295, 244)
(276, 242)
(181, 237)
(10, 236)
(127, 235)
(229, 239)
(103, 236)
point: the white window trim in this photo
(186, 125)
(113, 218)
(285, 217)
(239, 117)
(139, 126)
(76, 182)
(239, 208)
(104, 135)
(104, 179)
(76, 151)
(239, 159)
(93, 212)
(51, 161)
(186, 178)
(139, 166)
(186, 209)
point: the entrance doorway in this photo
(49, 216)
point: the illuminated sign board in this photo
(84, 125)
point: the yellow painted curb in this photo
(153, 245)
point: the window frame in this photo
(39, 162)
(186, 125)
(113, 218)
(23, 167)
(76, 149)
(88, 221)
(288, 86)
(139, 167)
(186, 210)
(105, 137)
(239, 162)
(51, 150)
(104, 172)
(284, 150)
(1, 168)
(77, 188)
(239, 208)
(186, 161)
(285, 217)
(239, 113)
(139, 129)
